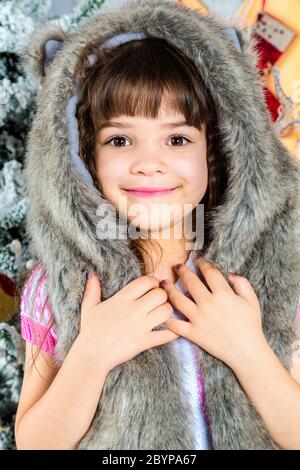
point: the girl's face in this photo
(135, 152)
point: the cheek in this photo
(195, 176)
(199, 175)
(109, 172)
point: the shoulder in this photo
(34, 291)
(37, 274)
(35, 307)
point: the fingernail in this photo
(90, 274)
(232, 274)
(178, 266)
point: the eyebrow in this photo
(127, 124)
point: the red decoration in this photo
(8, 298)
(273, 38)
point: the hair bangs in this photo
(137, 78)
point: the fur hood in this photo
(256, 229)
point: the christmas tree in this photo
(18, 20)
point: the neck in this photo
(174, 251)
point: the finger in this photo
(180, 327)
(139, 286)
(213, 276)
(92, 292)
(244, 289)
(180, 301)
(152, 299)
(159, 337)
(193, 284)
(160, 314)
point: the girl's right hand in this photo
(120, 327)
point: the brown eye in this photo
(117, 138)
(177, 138)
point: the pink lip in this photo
(150, 192)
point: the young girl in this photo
(156, 96)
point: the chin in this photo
(141, 226)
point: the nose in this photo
(148, 162)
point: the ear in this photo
(234, 37)
(243, 39)
(241, 35)
(41, 49)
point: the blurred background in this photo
(276, 26)
(226, 8)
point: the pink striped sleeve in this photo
(36, 313)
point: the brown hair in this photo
(131, 79)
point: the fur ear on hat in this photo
(245, 35)
(41, 49)
(243, 38)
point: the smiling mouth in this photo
(150, 192)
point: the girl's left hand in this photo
(225, 322)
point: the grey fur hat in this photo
(256, 229)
